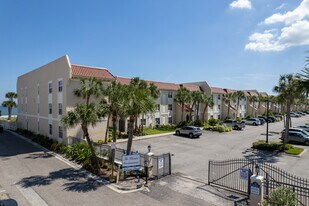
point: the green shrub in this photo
(79, 152)
(183, 124)
(218, 128)
(281, 196)
(271, 146)
(100, 141)
(198, 123)
(213, 122)
(248, 116)
(238, 119)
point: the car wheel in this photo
(191, 135)
(177, 133)
(307, 143)
(254, 124)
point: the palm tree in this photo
(253, 100)
(182, 96)
(140, 97)
(86, 114)
(239, 95)
(260, 99)
(288, 88)
(227, 98)
(10, 103)
(208, 102)
(196, 97)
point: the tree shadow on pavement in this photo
(266, 156)
(76, 180)
(38, 155)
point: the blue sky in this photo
(241, 44)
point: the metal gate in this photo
(228, 174)
(162, 165)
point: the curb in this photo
(108, 184)
(298, 156)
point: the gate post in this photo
(256, 190)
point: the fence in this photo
(161, 163)
(226, 174)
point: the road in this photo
(191, 156)
(32, 178)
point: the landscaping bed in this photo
(277, 146)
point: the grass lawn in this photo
(294, 151)
(273, 146)
(149, 131)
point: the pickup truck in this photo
(234, 124)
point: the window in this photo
(38, 89)
(38, 108)
(170, 107)
(170, 120)
(219, 107)
(50, 87)
(60, 108)
(219, 96)
(50, 108)
(60, 132)
(157, 121)
(38, 126)
(60, 86)
(211, 116)
(143, 121)
(170, 95)
(158, 107)
(50, 129)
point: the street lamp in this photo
(257, 170)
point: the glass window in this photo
(50, 108)
(60, 86)
(50, 129)
(170, 94)
(219, 96)
(38, 108)
(60, 108)
(143, 121)
(50, 87)
(170, 120)
(157, 121)
(219, 107)
(60, 132)
(170, 107)
(158, 107)
(38, 126)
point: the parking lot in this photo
(191, 156)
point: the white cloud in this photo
(294, 31)
(270, 40)
(241, 4)
(290, 17)
(280, 7)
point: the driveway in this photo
(191, 156)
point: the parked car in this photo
(300, 113)
(262, 120)
(1, 128)
(298, 137)
(263, 117)
(297, 130)
(253, 121)
(279, 117)
(304, 127)
(293, 114)
(191, 131)
(234, 124)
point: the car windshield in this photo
(197, 128)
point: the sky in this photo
(236, 44)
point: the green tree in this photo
(227, 98)
(140, 98)
(87, 113)
(10, 103)
(287, 88)
(182, 97)
(197, 97)
(208, 102)
(239, 95)
(253, 100)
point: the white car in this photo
(292, 114)
(191, 131)
(253, 121)
(304, 127)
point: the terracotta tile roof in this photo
(253, 92)
(217, 90)
(161, 85)
(230, 90)
(192, 87)
(88, 71)
(263, 94)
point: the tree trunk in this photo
(130, 133)
(287, 123)
(237, 108)
(114, 141)
(182, 108)
(107, 128)
(228, 110)
(135, 124)
(142, 122)
(204, 111)
(94, 158)
(9, 113)
(197, 111)
(191, 108)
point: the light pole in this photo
(267, 108)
